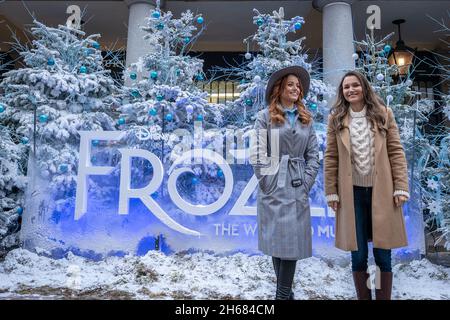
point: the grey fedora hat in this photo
(300, 72)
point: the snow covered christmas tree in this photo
(163, 102)
(275, 51)
(62, 89)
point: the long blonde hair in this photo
(374, 104)
(276, 111)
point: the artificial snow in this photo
(26, 275)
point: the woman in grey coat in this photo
(285, 158)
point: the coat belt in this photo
(298, 163)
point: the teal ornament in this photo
(187, 40)
(159, 97)
(387, 48)
(121, 121)
(43, 118)
(135, 93)
(50, 62)
(169, 117)
(313, 106)
(83, 69)
(200, 77)
(178, 72)
(19, 211)
(95, 143)
(2, 108)
(200, 117)
(248, 102)
(154, 75)
(194, 180)
(63, 168)
(297, 26)
(259, 22)
(200, 20)
(156, 14)
(152, 112)
(220, 173)
(435, 178)
(160, 26)
(96, 45)
(24, 140)
(133, 76)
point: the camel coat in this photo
(390, 174)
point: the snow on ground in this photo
(25, 275)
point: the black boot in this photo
(283, 293)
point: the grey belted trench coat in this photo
(283, 211)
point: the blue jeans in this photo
(363, 219)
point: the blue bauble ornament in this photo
(133, 76)
(153, 75)
(387, 48)
(152, 112)
(187, 40)
(50, 62)
(24, 140)
(248, 102)
(259, 22)
(194, 180)
(121, 121)
(159, 97)
(435, 178)
(19, 211)
(43, 118)
(95, 143)
(169, 117)
(297, 26)
(135, 93)
(200, 20)
(200, 117)
(2, 108)
(83, 69)
(154, 195)
(156, 14)
(160, 26)
(200, 77)
(220, 173)
(96, 45)
(63, 168)
(313, 106)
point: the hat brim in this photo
(300, 72)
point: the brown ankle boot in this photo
(362, 290)
(385, 290)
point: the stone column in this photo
(338, 45)
(136, 46)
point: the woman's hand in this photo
(400, 200)
(333, 205)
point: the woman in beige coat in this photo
(365, 181)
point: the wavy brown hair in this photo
(276, 110)
(374, 104)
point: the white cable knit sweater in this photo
(362, 148)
